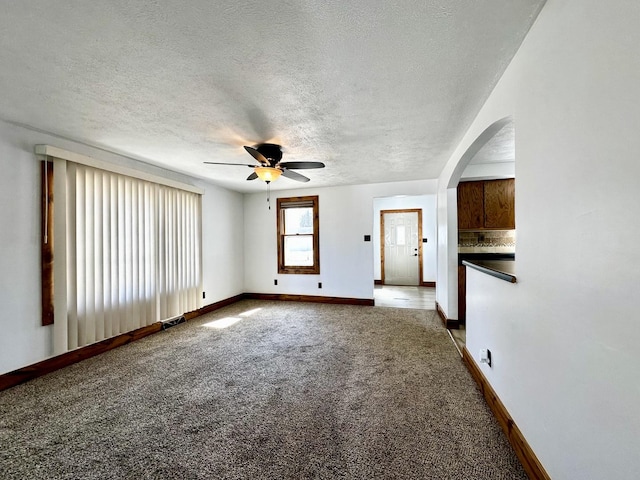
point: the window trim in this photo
(293, 202)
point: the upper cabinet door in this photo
(499, 204)
(470, 205)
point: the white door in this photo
(401, 248)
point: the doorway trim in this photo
(405, 210)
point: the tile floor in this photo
(405, 297)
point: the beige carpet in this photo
(289, 391)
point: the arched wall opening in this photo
(490, 132)
(452, 211)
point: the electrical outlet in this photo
(275, 281)
(485, 356)
(319, 284)
(203, 295)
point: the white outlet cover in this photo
(484, 356)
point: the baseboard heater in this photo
(171, 322)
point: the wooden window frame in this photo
(293, 202)
(46, 241)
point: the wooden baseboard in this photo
(422, 284)
(450, 323)
(525, 454)
(214, 306)
(368, 302)
(49, 365)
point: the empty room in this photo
(292, 239)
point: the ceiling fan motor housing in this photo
(271, 152)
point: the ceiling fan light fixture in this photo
(268, 174)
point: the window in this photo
(298, 235)
(128, 253)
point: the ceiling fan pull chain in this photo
(269, 194)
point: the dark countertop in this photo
(485, 256)
(502, 269)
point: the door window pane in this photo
(400, 235)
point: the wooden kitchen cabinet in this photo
(488, 204)
(499, 204)
(470, 205)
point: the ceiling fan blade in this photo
(294, 176)
(253, 176)
(301, 165)
(257, 155)
(236, 164)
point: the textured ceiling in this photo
(501, 148)
(378, 91)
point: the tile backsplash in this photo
(487, 241)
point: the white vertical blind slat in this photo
(90, 242)
(72, 252)
(98, 292)
(128, 263)
(121, 257)
(135, 257)
(106, 254)
(162, 258)
(181, 254)
(134, 265)
(83, 252)
(61, 231)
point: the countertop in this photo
(485, 256)
(502, 269)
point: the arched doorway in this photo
(490, 156)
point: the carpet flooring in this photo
(262, 390)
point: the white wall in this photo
(565, 337)
(429, 250)
(485, 171)
(346, 260)
(23, 340)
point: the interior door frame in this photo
(405, 210)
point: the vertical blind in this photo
(133, 253)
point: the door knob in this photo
(415, 254)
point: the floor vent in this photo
(170, 322)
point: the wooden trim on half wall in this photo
(525, 454)
(450, 323)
